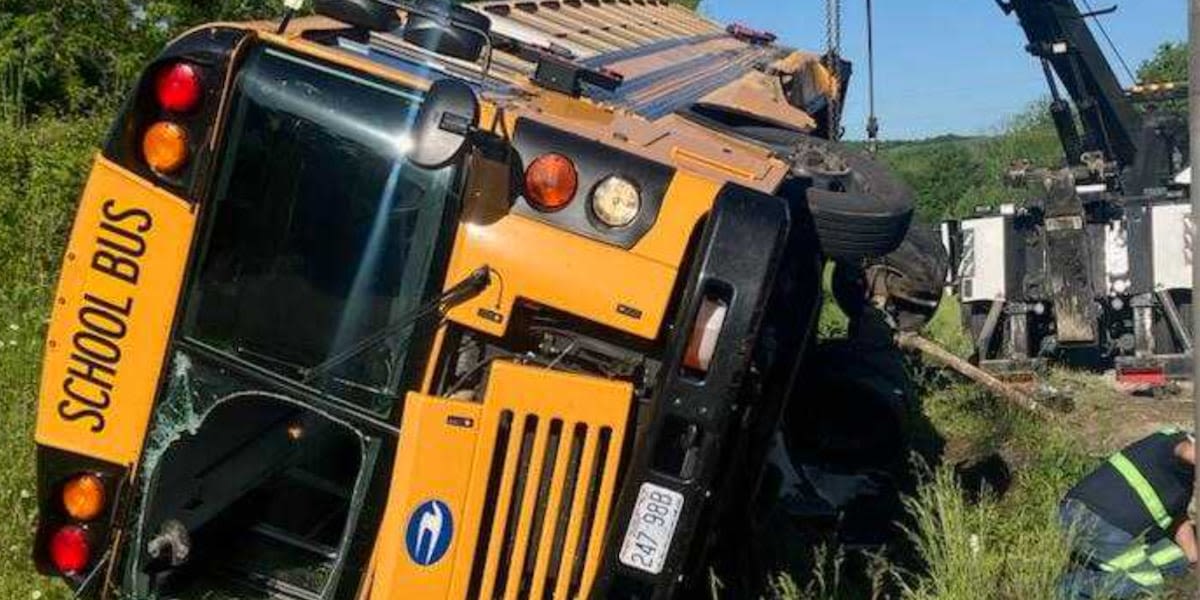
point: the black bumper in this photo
(687, 446)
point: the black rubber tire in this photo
(915, 270)
(849, 231)
(845, 232)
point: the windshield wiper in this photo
(468, 288)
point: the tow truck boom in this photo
(1141, 147)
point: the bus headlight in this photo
(616, 201)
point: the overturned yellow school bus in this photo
(412, 301)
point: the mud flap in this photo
(680, 456)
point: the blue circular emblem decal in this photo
(430, 529)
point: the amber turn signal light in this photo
(83, 497)
(165, 147)
(551, 182)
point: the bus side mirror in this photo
(444, 123)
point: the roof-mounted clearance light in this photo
(751, 35)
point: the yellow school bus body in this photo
(118, 289)
(131, 294)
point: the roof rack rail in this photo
(557, 68)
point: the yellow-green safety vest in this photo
(1142, 564)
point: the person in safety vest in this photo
(1128, 522)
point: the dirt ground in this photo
(1108, 416)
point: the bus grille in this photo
(550, 486)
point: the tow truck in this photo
(1093, 267)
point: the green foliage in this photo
(833, 322)
(1169, 63)
(76, 56)
(42, 166)
(953, 175)
(946, 328)
(941, 175)
(64, 56)
(971, 551)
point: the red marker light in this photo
(178, 87)
(69, 550)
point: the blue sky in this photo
(945, 66)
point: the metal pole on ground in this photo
(1194, 189)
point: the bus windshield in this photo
(319, 231)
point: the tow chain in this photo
(833, 26)
(833, 53)
(872, 121)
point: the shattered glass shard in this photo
(175, 416)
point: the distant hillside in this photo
(952, 174)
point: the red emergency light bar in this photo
(751, 35)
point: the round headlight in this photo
(616, 201)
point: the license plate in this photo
(648, 539)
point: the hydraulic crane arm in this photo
(1059, 36)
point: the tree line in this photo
(72, 57)
(953, 175)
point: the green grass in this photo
(833, 323)
(971, 534)
(975, 533)
(41, 169)
(946, 328)
(979, 541)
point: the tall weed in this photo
(42, 168)
(971, 553)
